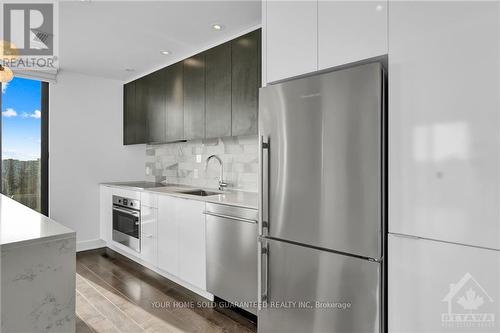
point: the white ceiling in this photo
(103, 38)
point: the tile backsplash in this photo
(184, 162)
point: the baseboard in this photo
(121, 250)
(90, 245)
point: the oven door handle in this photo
(127, 211)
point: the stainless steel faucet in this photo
(222, 183)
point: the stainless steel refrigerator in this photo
(322, 223)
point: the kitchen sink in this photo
(201, 193)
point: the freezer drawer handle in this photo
(264, 185)
(230, 217)
(264, 279)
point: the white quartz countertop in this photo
(233, 198)
(20, 225)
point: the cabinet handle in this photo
(230, 217)
(147, 235)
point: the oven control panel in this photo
(126, 202)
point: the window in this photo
(24, 136)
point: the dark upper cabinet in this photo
(141, 104)
(155, 107)
(174, 96)
(246, 80)
(194, 97)
(128, 112)
(218, 91)
(134, 120)
(212, 94)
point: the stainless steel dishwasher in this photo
(232, 254)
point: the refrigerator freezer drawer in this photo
(442, 287)
(324, 162)
(296, 277)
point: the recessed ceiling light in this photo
(129, 70)
(379, 8)
(165, 52)
(216, 27)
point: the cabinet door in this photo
(105, 213)
(174, 91)
(148, 234)
(218, 91)
(350, 31)
(444, 151)
(194, 97)
(128, 109)
(192, 257)
(134, 124)
(246, 79)
(432, 285)
(168, 237)
(292, 38)
(156, 111)
(138, 123)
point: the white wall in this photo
(85, 148)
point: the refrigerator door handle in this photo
(264, 186)
(263, 274)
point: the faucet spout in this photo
(222, 184)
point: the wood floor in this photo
(114, 294)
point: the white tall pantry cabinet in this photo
(444, 117)
(444, 166)
(427, 280)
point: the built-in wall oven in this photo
(127, 222)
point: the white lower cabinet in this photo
(181, 239)
(149, 217)
(168, 239)
(172, 234)
(105, 212)
(191, 250)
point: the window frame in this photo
(44, 146)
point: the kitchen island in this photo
(37, 271)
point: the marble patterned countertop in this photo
(233, 198)
(20, 225)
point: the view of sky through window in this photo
(21, 123)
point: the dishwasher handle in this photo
(229, 217)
